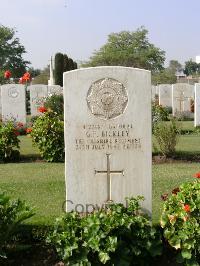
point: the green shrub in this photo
(167, 135)
(168, 109)
(159, 113)
(66, 66)
(114, 235)
(12, 214)
(33, 119)
(58, 72)
(71, 64)
(56, 104)
(62, 64)
(181, 222)
(48, 135)
(9, 142)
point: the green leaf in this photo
(103, 257)
(186, 254)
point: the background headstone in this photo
(55, 89)
(165, 95)
(182, 94)
(38, 93)
(107, 133)
(13, 100)
(197, 105)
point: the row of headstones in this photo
(179, 97)
(13, 100)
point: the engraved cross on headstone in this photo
(109, 173)
(181, 99)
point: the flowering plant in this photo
(25, 78)
(48, 135)
(28, 130)
(7, 74)
(42, 109)
(181, 221)
(20, 128)
(9, 142)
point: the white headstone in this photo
(165, 95)
(197, 105)
(13, 99)
(182, 94)
(55, 89)
(38, 93)
(107, 136)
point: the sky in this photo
(79, 27)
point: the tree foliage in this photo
(62, 64)
(11, 52)
(191, 68)
(131, 49)
(58, 72)
(174, 66)
(167, 75)
(163, 77)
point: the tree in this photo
(191, 68)
(174, 66)
(59, 66)
(11, 53)
(131, 49)
(163, 77)
(62, 64)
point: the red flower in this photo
(42, 109)
(26, 76)
(197, 175)
(28, 130)
(186, 208)
(7, 74)
(21, 80)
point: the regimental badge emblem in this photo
(107, 98)
(13, 92)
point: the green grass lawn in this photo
(185, 125)
(189, 144)
(42, 184)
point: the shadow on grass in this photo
(30, 158)
(184, 156)
(187, 156)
